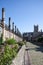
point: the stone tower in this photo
(35, 28)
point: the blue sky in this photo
(24, 13)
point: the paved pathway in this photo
(19, 59)
(22, 58)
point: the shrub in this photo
(11, 41)
(9, 53)
(24, 42)
(16, 47)
(21, 43)
(7, 56)
(40, 39)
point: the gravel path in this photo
(36, 54)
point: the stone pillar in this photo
(3, 17)
(9, 27)
(15, 29)
(2, 22)
(9, 23)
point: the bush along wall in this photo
(10, 41)
(10, 51)
(8, 55)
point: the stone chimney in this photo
(9, 23)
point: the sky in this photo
(24, 13)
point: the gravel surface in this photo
(36, 54)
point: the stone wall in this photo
(7, 35)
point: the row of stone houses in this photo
(31, 36)
(6, 30)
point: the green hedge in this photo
(11, 41)
(8, 55)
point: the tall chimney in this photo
(13, 27)
(3, 16)
(9, 23)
